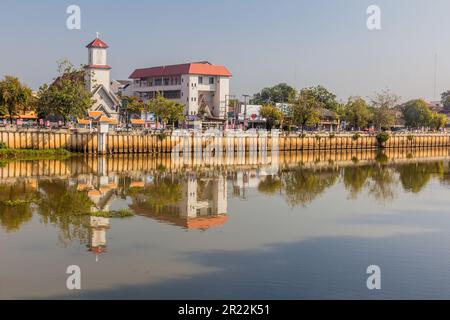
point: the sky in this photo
(302, 43)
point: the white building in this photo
(202, 87)
(98, 79)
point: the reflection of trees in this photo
(13, 217)
(302, 186)
(382, 183)
(163, 192)
(355, 178)
(65, 207)
(415, 176)
(270, 185)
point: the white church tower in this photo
(98, 79)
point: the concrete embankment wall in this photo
(116, 143)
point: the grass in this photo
(32, 154)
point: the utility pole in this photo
(246, 96)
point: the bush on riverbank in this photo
(382, 137)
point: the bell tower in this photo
(97, 70)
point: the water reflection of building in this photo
(98, 227)
(202, 204)
(101, 190)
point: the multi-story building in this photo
(201, 86)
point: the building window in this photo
(200, 80)
(211, 80)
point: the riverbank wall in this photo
(191, 142)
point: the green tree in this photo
(14, 97)
(272, 114)
(357, 113)
(438, 120)
(281, 93)
(325, 97)
(445, 100)
(416, 114)
(382, 103)
(67, 97)
(305, 109)
(168, 111)
(131, 105)
(383, 118)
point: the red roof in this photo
(200, 68)
(97, 43)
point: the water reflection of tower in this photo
(203, 197)
(98, 228)
(202, 204)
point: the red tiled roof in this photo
(97, 43)
(200, 68)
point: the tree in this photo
(131, 105)
(445, 100)
(384, 99)
(357, 113)
(382, 103)
(167, 111)
(175, 112)
(383, 118)
(438, 120)
(325, 97)
(14, 97)
(417, 114)
(67, 97)
(305, 109)
(281, 93)
(272, 114)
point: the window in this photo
(211, 80)
(200, 80)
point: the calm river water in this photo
(294, 226)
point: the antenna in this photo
(98, 35)
(435, 76)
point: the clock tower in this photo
(97, 70)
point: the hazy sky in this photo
(303, 43)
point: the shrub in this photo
(3, 145)
(356, 137)
(410, 137)
(318, 137)
(332, 135)
(161, 136)
(382, 137)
